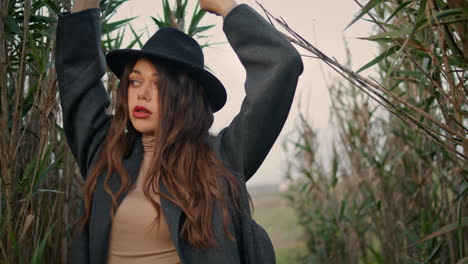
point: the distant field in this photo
(271, 211)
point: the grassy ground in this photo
(272, 213)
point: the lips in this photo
(141, 112)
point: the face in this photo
(143, 91)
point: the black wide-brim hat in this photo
(173, 45)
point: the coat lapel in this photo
(100, 223)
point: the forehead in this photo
(144, 67)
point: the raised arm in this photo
(273, 67)
(80, 64)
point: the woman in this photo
(156, 151)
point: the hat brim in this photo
(216, 93)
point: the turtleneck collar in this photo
(148, 142)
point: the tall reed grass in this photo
(395, 190)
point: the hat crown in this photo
(174, 42)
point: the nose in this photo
(144, 92)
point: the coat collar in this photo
(100, 223)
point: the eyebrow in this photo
(139, 72)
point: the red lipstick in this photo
(141, 112)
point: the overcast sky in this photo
(327, 18)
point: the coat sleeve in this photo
(80, 64)
(273, 67)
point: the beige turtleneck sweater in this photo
(133, 239)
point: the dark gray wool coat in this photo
(272, 66)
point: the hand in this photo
(217, 7)
(81, 5)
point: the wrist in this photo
(81, 5)
(228, 8)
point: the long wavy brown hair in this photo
(187, 166)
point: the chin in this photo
(142, 128)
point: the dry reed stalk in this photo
(448, 139)
(386, 175)
(5, 181)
